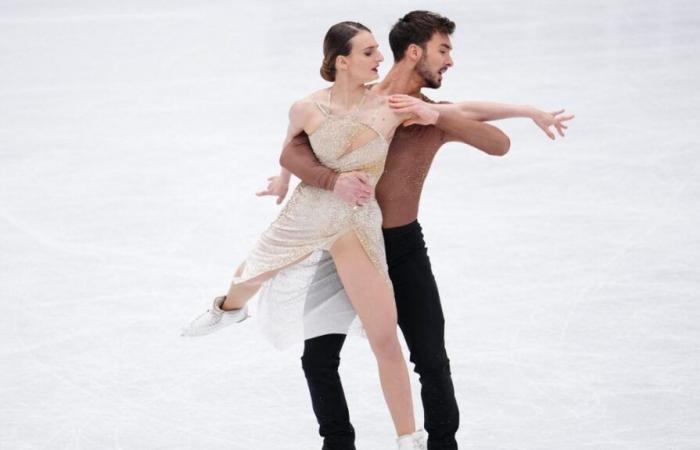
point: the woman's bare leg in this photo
(374, 303)
(239, 293)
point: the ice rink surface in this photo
(134, 134)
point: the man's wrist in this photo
(333, 181)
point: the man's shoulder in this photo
(420, 134)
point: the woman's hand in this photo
(277, 185)
(545, 120)
(422, 113)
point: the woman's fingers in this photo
(400, 97)
(401, 102)
(548, 132)
(404, 110)
(558, 127)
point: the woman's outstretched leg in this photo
(239, 293)
(229, 309)
(373, 300)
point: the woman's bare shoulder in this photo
(380, 103)
(307, 103)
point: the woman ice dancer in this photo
(349, 128)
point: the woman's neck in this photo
(345, 95)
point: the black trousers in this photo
(423, 325)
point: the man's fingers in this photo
(561, 132)
(261, 193)
(362, 177)
(556, 113)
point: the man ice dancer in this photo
(420, 43)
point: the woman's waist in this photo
(374, 170)
(316, 196)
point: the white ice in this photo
(134, 134)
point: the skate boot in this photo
(414, 441)
(215, 319)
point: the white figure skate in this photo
(414, 441)
(215, 319)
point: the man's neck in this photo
(401, 79)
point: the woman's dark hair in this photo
(417, 27)
(337, 43)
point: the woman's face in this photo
(363, 61)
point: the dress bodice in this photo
(351, 142)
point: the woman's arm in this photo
(455, 125)
(487, 111)
(278, 185)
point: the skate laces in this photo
(211, 316)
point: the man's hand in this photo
(353, 187)
(422, 113)
(544, 120)
(276, 186)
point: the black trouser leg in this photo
(422, 322)
(320, 363)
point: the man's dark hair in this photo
(417, 27)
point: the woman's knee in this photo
(386, 346)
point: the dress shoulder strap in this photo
(322, 108)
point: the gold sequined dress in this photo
(305, 299)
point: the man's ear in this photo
(414, 52)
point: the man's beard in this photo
(430, 80)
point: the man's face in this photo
(435, 60)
